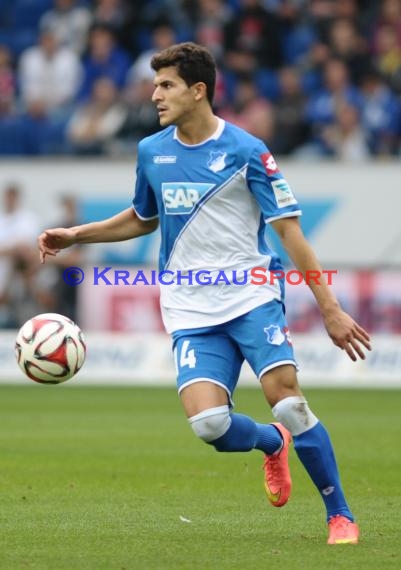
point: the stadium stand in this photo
(249, 38)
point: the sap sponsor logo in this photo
(217, 161)
(283, 193)
(182, 197)
(164, 159)
(269, 163)
(274, 335)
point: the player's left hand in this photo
(347, 334)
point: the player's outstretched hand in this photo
(50, 242)
(347, 334)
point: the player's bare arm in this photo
(342, 329)
(121, 227)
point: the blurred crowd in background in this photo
(312, 78)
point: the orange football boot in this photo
(342, 531)
(277, 472)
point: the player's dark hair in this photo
(194, 63)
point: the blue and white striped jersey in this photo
(213, 200)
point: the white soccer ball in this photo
(50, 348)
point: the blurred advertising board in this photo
(121, 359)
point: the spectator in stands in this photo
(110, 13)
(345, 139)
(348, 45)
(388, 56)
(389, 16)
(252, 39)
(34, 122)
(18, 259)
(105, 58)
(347, 9)
(180, 14)
(211, 17)
(98, 120)
(250, 110)
(322, 13)
(119, 16)
(69, 22)
(290, 127)
(297, 33)
(381, 115)
(49, 74)
(385, 42)
(321, 108)
(7, 82)
(162, 36)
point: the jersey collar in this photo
(214, 137)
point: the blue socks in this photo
(315, 451)
(244, 434)
(313, 448)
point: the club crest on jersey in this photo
(217, 160)
(274, 335)
(182, 197)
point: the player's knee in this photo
(295, 415)
(211, 424)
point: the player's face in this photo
(175, 101)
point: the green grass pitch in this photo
(113, 479)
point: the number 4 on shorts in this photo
(187, 356)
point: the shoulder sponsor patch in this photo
(283, 193)
(269, 163)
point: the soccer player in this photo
(212, 187)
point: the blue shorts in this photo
(216, 353)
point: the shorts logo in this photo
(269, 163)
(283, 193)
(217, 161)
(274, 335)
(182, 197)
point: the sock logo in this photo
(328, 491)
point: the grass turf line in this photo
(101, 478)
